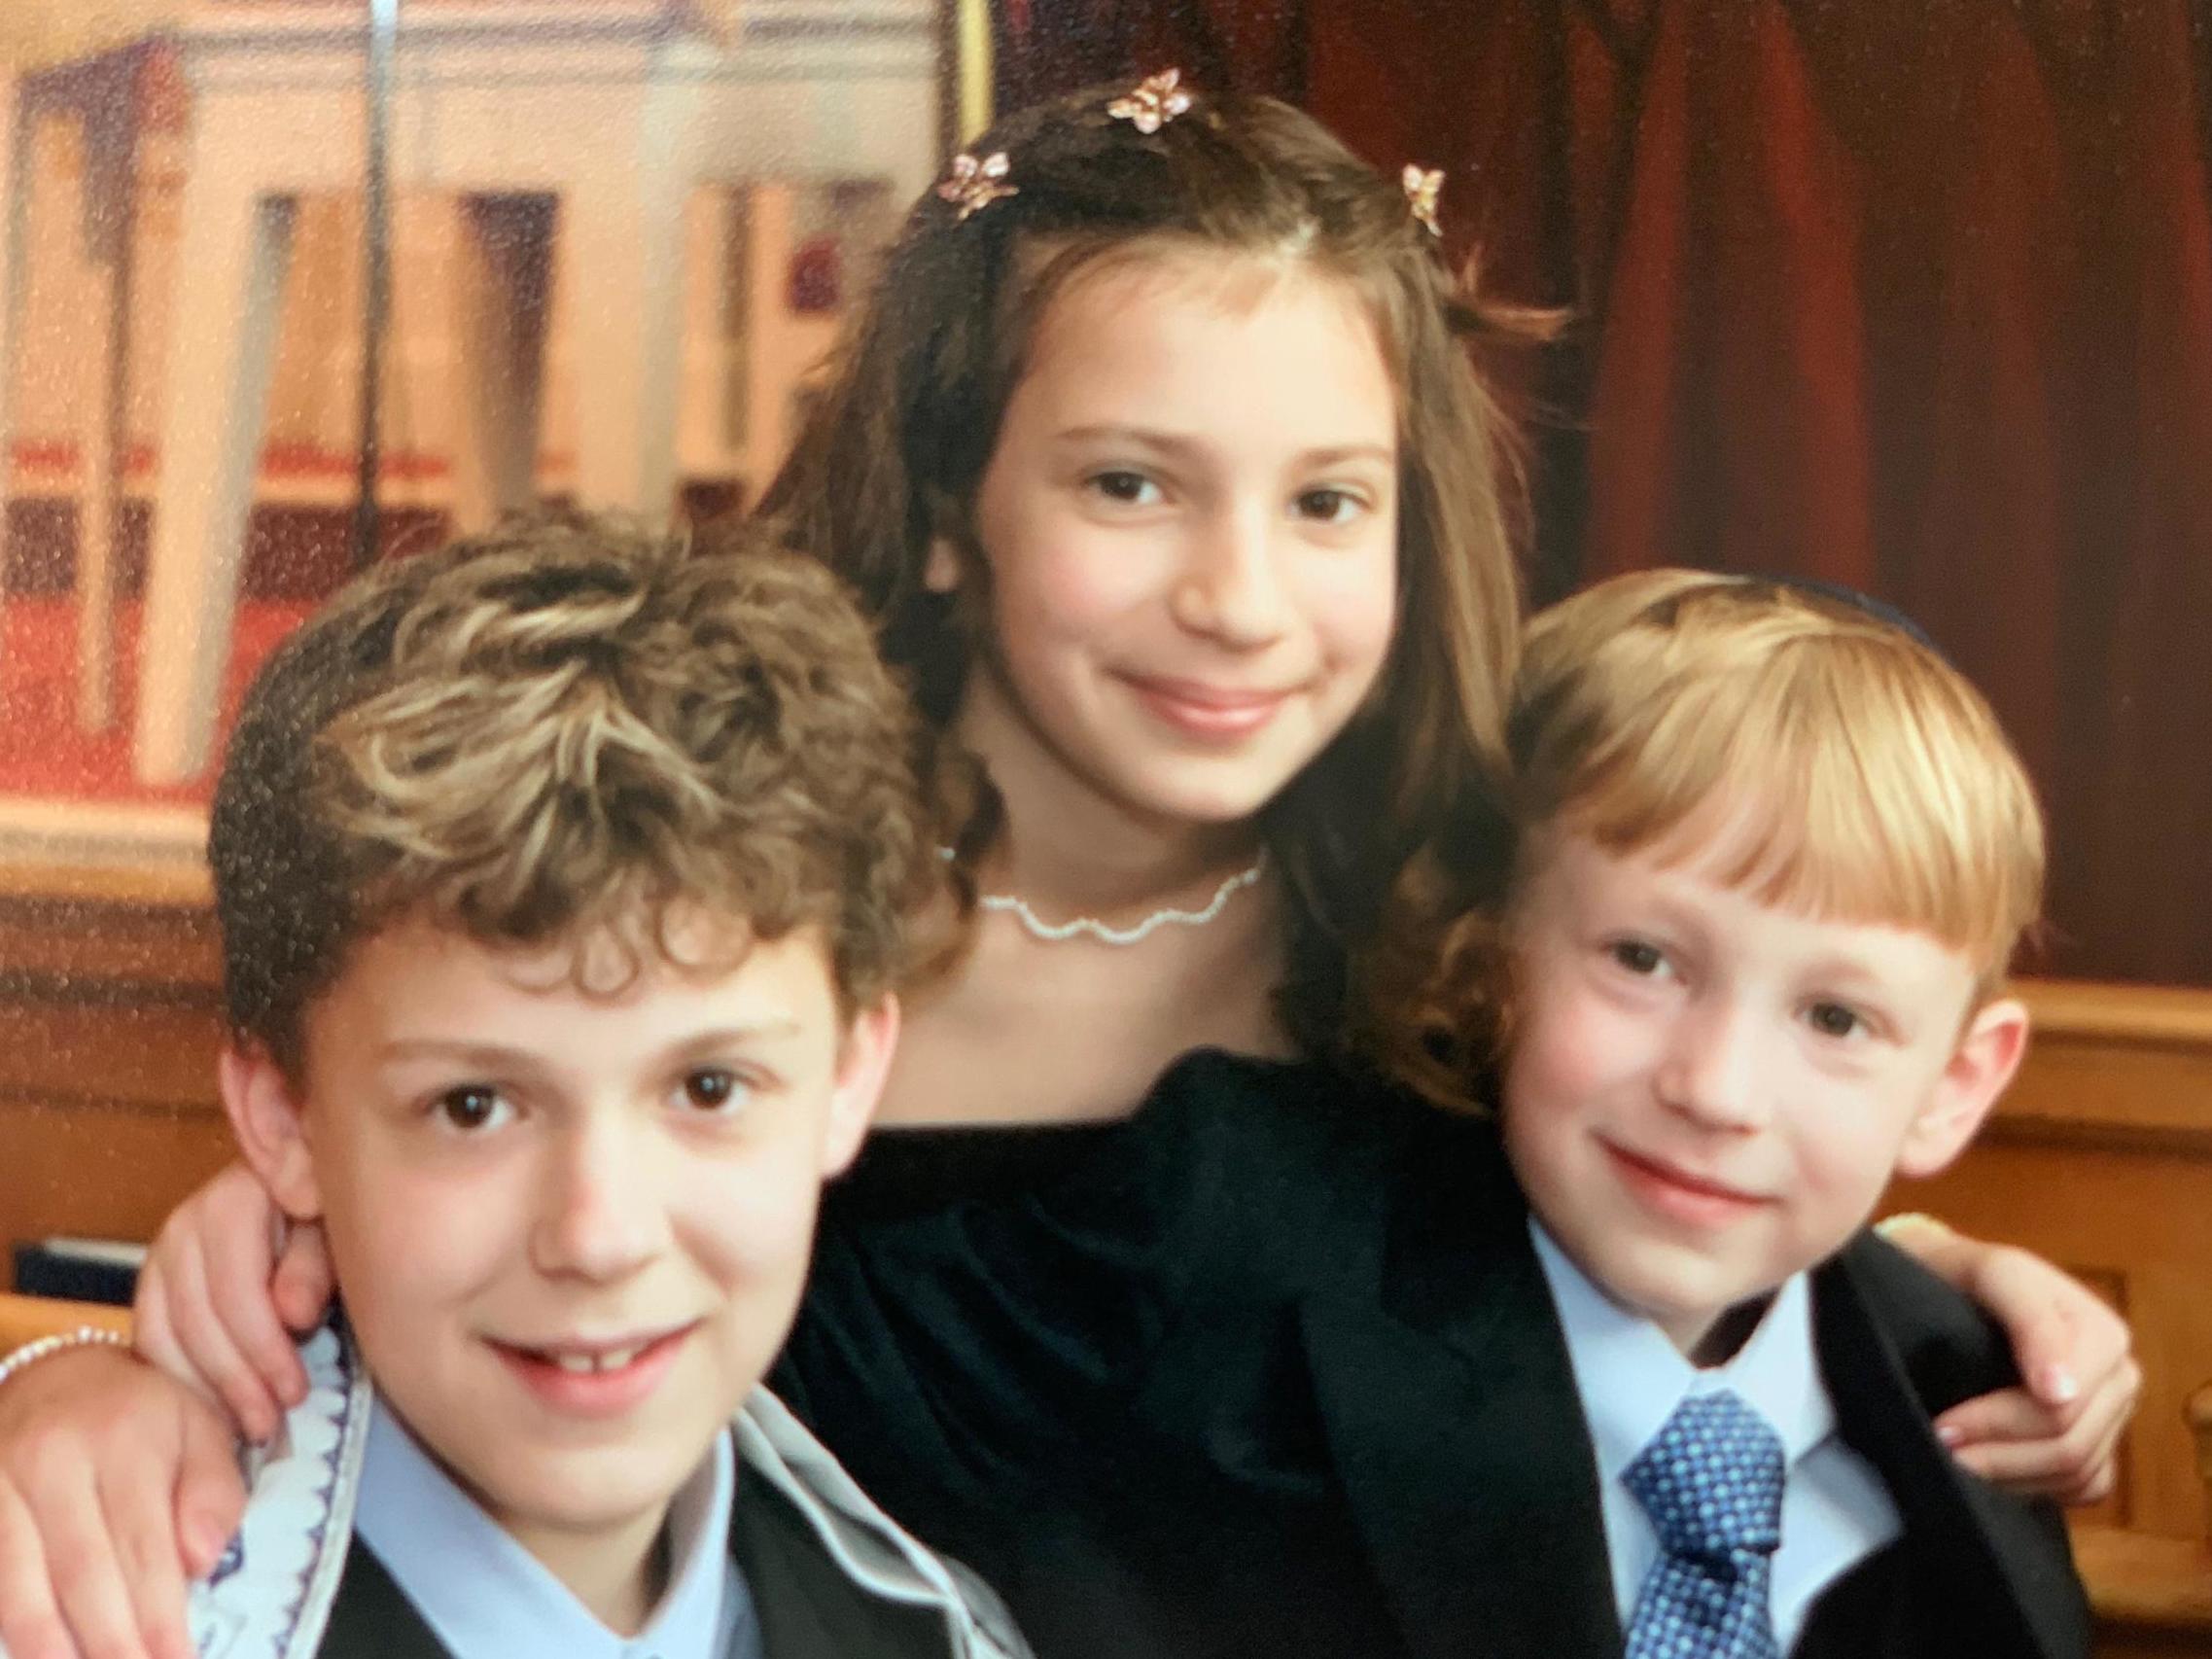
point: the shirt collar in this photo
(485, 1594)
(1631, 1377)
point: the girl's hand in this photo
(2058, 1434)
(116, 1486)
(218, 1302)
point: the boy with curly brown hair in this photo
(567, 880)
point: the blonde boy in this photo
(1775, 856)
(567, 879)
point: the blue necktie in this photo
(1711, 1482)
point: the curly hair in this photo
(570, 731)
(1395, 829)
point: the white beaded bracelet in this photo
(84, 1336)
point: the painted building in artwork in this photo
(619, 243)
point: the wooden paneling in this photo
(2100, 1158)
(26, 1319)
(109, 1018)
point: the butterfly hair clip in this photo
(1153, 102)
(1422, 190)
(976, 184)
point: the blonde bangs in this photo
(1787, 746)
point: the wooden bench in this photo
(2153, 1595)
(26, 1319)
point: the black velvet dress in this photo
(1010, 1338)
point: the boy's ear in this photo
(1988, 1053)
(273, 1132)
(862, 1065)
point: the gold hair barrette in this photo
(975, 184)
(1155, 101)
(1422, 190)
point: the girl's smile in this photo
(1190, 532)
(1208, 713)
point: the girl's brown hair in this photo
(1396, 827)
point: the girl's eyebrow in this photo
(1331, 454)
(1149, 437)
(1177, 444)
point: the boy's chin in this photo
(1706, 1313)
(582, 1493)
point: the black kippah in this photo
(1881, 610)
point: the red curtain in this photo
(1915, 295)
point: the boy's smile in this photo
(1708, 1094)
(571, 1229)
(601, 1377)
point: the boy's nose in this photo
(1230, 588)
(601, 1215)
(1713, 1071)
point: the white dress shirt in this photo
(1836, 1512)
(485, 1596)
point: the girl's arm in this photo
(118, 1482)
(218, 1304)
(2056, 1436)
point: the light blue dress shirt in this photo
(485, 1596)
(1836, 1512)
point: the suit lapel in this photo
(372, 1618)
(806, 1605)
(1454, 1422)
(2006, 1560)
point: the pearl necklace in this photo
(1090, 927)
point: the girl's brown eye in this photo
(1124, 488)
(1327, 505)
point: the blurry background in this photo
(613, 235)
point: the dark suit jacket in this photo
(1271, 1368)
(807, 1608)
(1451, 1411)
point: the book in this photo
(84, 1270)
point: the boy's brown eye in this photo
(470, 1107)
(1833, 1020)
(1637, 956)
(712, 1089)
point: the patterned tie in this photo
(1711, 1481)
